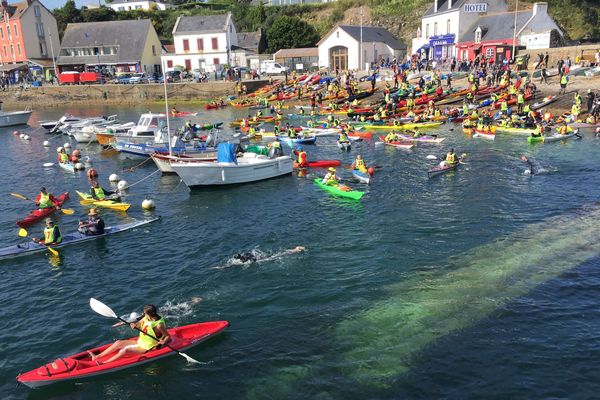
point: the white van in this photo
(271, 67)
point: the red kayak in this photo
(36, 215)
(321, 164)
(183, 114)
(213, 106)
(79, 366)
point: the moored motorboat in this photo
(12, 118)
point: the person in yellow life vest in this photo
(359, 164)
(174, 112)
(564, 80)
(302, 111)
(376, 117)
(153, 334)
(539, 130)
(275, 148)
(330, 117)
(565, 129)
(520, 102)
(591, 120)
(465, 108)
(577, 98)
(575, 111)
(98, 193)
(494, 97)
(313, 112)
(46, 200)
(354, 103)
(252, 131)
(450, 158)
(291, 132)
(504, 106)
(410, 103)
(474, 114)
(302, 157)
(259, 114)
(409, 115)
(387, 97)
(383, 113)
(437, 112)
(331, 178)
(343, 137)
(515, 120)
(279, 115)
(391, 137)
(310, 123)
(548, 116)
(416, 133)
(63, 157)
(52, 234)
(469, 97)
(363, 118)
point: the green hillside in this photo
(579, 19)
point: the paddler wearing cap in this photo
(151, 324)
(331, 178)
(94, 224)
(51, 234)
(46, 200)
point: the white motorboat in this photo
(151, 128)
(71, 128)
(50, 125)
(228, 169)
(12, 118)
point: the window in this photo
(43, 48)
(427, 31)
(435, 29)
(169, 63)
(121, 8)
(12, 51)
(36, 11)
(188, 64)
(40, 29)
(478, 35)
(186, 45)
(200, 44)
(19, 48)
(1, 33)
(489, 52)
(448, 26)
(8, 31)
(215, 43)
(138, 7)
(5, 53)
(230, 28)
(16, 30)
(216, 61)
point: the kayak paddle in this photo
(24, 233)
(106, 311)
(66, 211)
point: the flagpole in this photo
(166, 106)
(515, 31)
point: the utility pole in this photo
(515, 31)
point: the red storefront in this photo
(496, 50)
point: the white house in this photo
(203, 42)
(448, 20)
(128, 5)
(340, 48)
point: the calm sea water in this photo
(481, 283)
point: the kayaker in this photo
(359, 164)
(529, 164)
(450, 158)
(343, 137)
(302, 157)
(98, 193)
(331, 178)
(46, 200)
(152, 324)
(63, 157)
(565, 129)
(51, 234)
(539, 130)
(94, 225)
(416, 133)
(391, 137)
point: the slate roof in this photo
(370, 34)
(130, 37)
(14, 10)
(249, 40)
(301, 52)
(443, 7)
(201, 24)
(501, 25)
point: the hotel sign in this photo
(475, 8)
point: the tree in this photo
(289, 33)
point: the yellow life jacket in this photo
(99, 192)
(451, 158)
(50, 237)
(360, 165)
(64, 158)
(45, 201)
(144, 341)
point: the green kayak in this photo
(350, 194)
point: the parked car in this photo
(123, 78)
(173, 76)
(271, 67)
(139, 78)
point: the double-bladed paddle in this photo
(24, 233)
(66, 211)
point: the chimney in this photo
(540, 8)
(435, 5)
(449, 4)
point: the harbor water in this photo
(480, 283)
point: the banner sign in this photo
(475, 8)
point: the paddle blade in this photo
(54, 252)
(189, 359)
(19, 196)
(67, 211)
(102, 308)
(23, 232)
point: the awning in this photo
(422, 48)
(476, 46)
(12, 67)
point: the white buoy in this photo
(27, 137)
(79, 166)
(431, 157)
(22, 135)
(113, 178)
(67, 145)
(598, 130)
(46, 143)
(48, 164)
(122, 185)
(148, 204)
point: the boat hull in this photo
(14, 118)
(248, 169)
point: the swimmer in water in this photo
(529, 164)
(250, 257)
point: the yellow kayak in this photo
(514, 131)
(86, 200)
(405, 126)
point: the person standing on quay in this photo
(564, 80)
